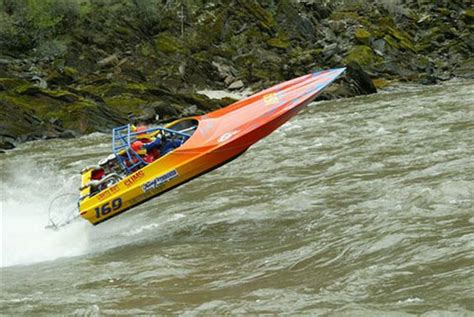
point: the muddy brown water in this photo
(360, 206)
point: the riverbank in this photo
(75, 67)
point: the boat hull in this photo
(220, 137)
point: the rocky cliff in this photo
(74, 67)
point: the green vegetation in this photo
(361, 54)
(362, 36)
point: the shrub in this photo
(26, 23)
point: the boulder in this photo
(164, 109)
(7, 142)
(239, 84)
(40, 82)
(330, 50)
(329, 35)
(192, 110)
(68, 134)
(360, 80)
(148, 116)
(379, 46)
(426, 79)
(229, 80)
(224, 70)
(338, 26)
(109, 60)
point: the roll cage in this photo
(123, 137)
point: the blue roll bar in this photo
(122, 139)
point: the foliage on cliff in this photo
(86, 65)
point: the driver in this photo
(150, 144)
(140, 148)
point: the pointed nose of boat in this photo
(330, 72)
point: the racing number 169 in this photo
(107, 207)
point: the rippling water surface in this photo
(361, 206)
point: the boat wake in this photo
(37, 192)
(24, 206)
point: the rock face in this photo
(236, 85)
(68, 68)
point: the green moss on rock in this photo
(362, 36)
(279, 42)
(209, 31)
(361, 54)
(146, 49)
(62, 95)
(115, 89)
(468, 15)
(422, 62)
(443, 11)
(77, 116)
(12, 83)
(404, 39)
(264, 17)
(32, 90)
(391, 41)
(396, 33)
(408, 45)
(166, 43)
(201, 101)
(126, 104)
(70, 71)
(27, 89)
(344, 15)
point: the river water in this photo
(360, 206)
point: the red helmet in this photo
(137, 145)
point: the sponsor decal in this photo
(271, 99)
(226, 136)
(114, 189)
(157, 182)
(132, 179)
(108, 192)
(103, 195)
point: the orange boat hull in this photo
(221, 136)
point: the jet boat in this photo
(125, 179)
